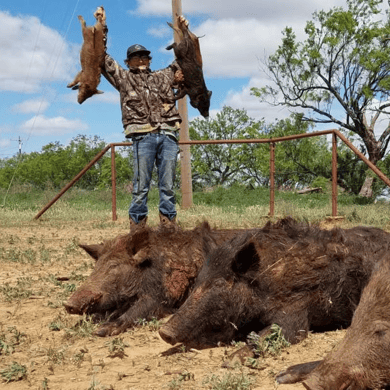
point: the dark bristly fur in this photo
(361, 361)
(189, 57)
(295, 275)
(143, 274)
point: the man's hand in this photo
(179, 76)
(182, 23)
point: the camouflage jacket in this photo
(146, 97)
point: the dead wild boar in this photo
(362, 359)
(295, 275)
(91, 57)
(143, 274)
(189, 58)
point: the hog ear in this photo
(93, 250)
(141, 259)
(246, 259)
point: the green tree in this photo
(221, 164)
(338, 73)
(296, 161)
(56, 165)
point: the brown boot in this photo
(134, 226)
(166, 222)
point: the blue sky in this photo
(40, 42)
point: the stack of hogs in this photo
(223, 284)
(143, 274)
(295, 275)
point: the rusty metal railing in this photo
(271, 141)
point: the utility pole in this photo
(20, 145)
(185, 153)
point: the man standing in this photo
(150, 118)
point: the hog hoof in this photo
(167, 336)
(102, 332)
(296, 373)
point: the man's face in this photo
(141, 61)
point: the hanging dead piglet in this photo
(91, 57)
(189, 58)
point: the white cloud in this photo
(281, 10)
(31, 54)
(238, 34)
(227, 49)
(32, 106)
(162, 31)
(107, 97)
(255, 109)
(111, 97)
(42, 126)
(5, 143)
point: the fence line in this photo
(271, 141)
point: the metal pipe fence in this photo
(271, 141)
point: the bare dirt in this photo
(46, 348)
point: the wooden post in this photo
(272, 179)
(113, 183)
(185, 152)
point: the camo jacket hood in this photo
(145, 96)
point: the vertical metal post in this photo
(272, 179)
(113, 183)
(185, 153)
(334, 175)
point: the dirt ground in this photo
(46, 348)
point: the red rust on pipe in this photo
(74, 180)
(375, 169)
(334, 175)
(272, 179)
(113, 183)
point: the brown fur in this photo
(91, 57)
(144, 274)
(189, 58)
(295, 275)
(361, 360)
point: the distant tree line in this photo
(298, 162)
(57, 164)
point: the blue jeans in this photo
(149, 149)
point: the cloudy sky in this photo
(40, 42)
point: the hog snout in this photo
(79, 302)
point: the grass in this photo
(116, 347)
(229, 381)
(235, 207)
(10, 339)
(14, 372)
(272, 344)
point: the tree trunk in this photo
(366, 189)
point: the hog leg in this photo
(296, 373)
(294, 323)
(146, 308)
(76, 80)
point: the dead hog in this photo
(144, 274)
(361, 361)
(189, 58)
(91, 57)
(295, 275)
